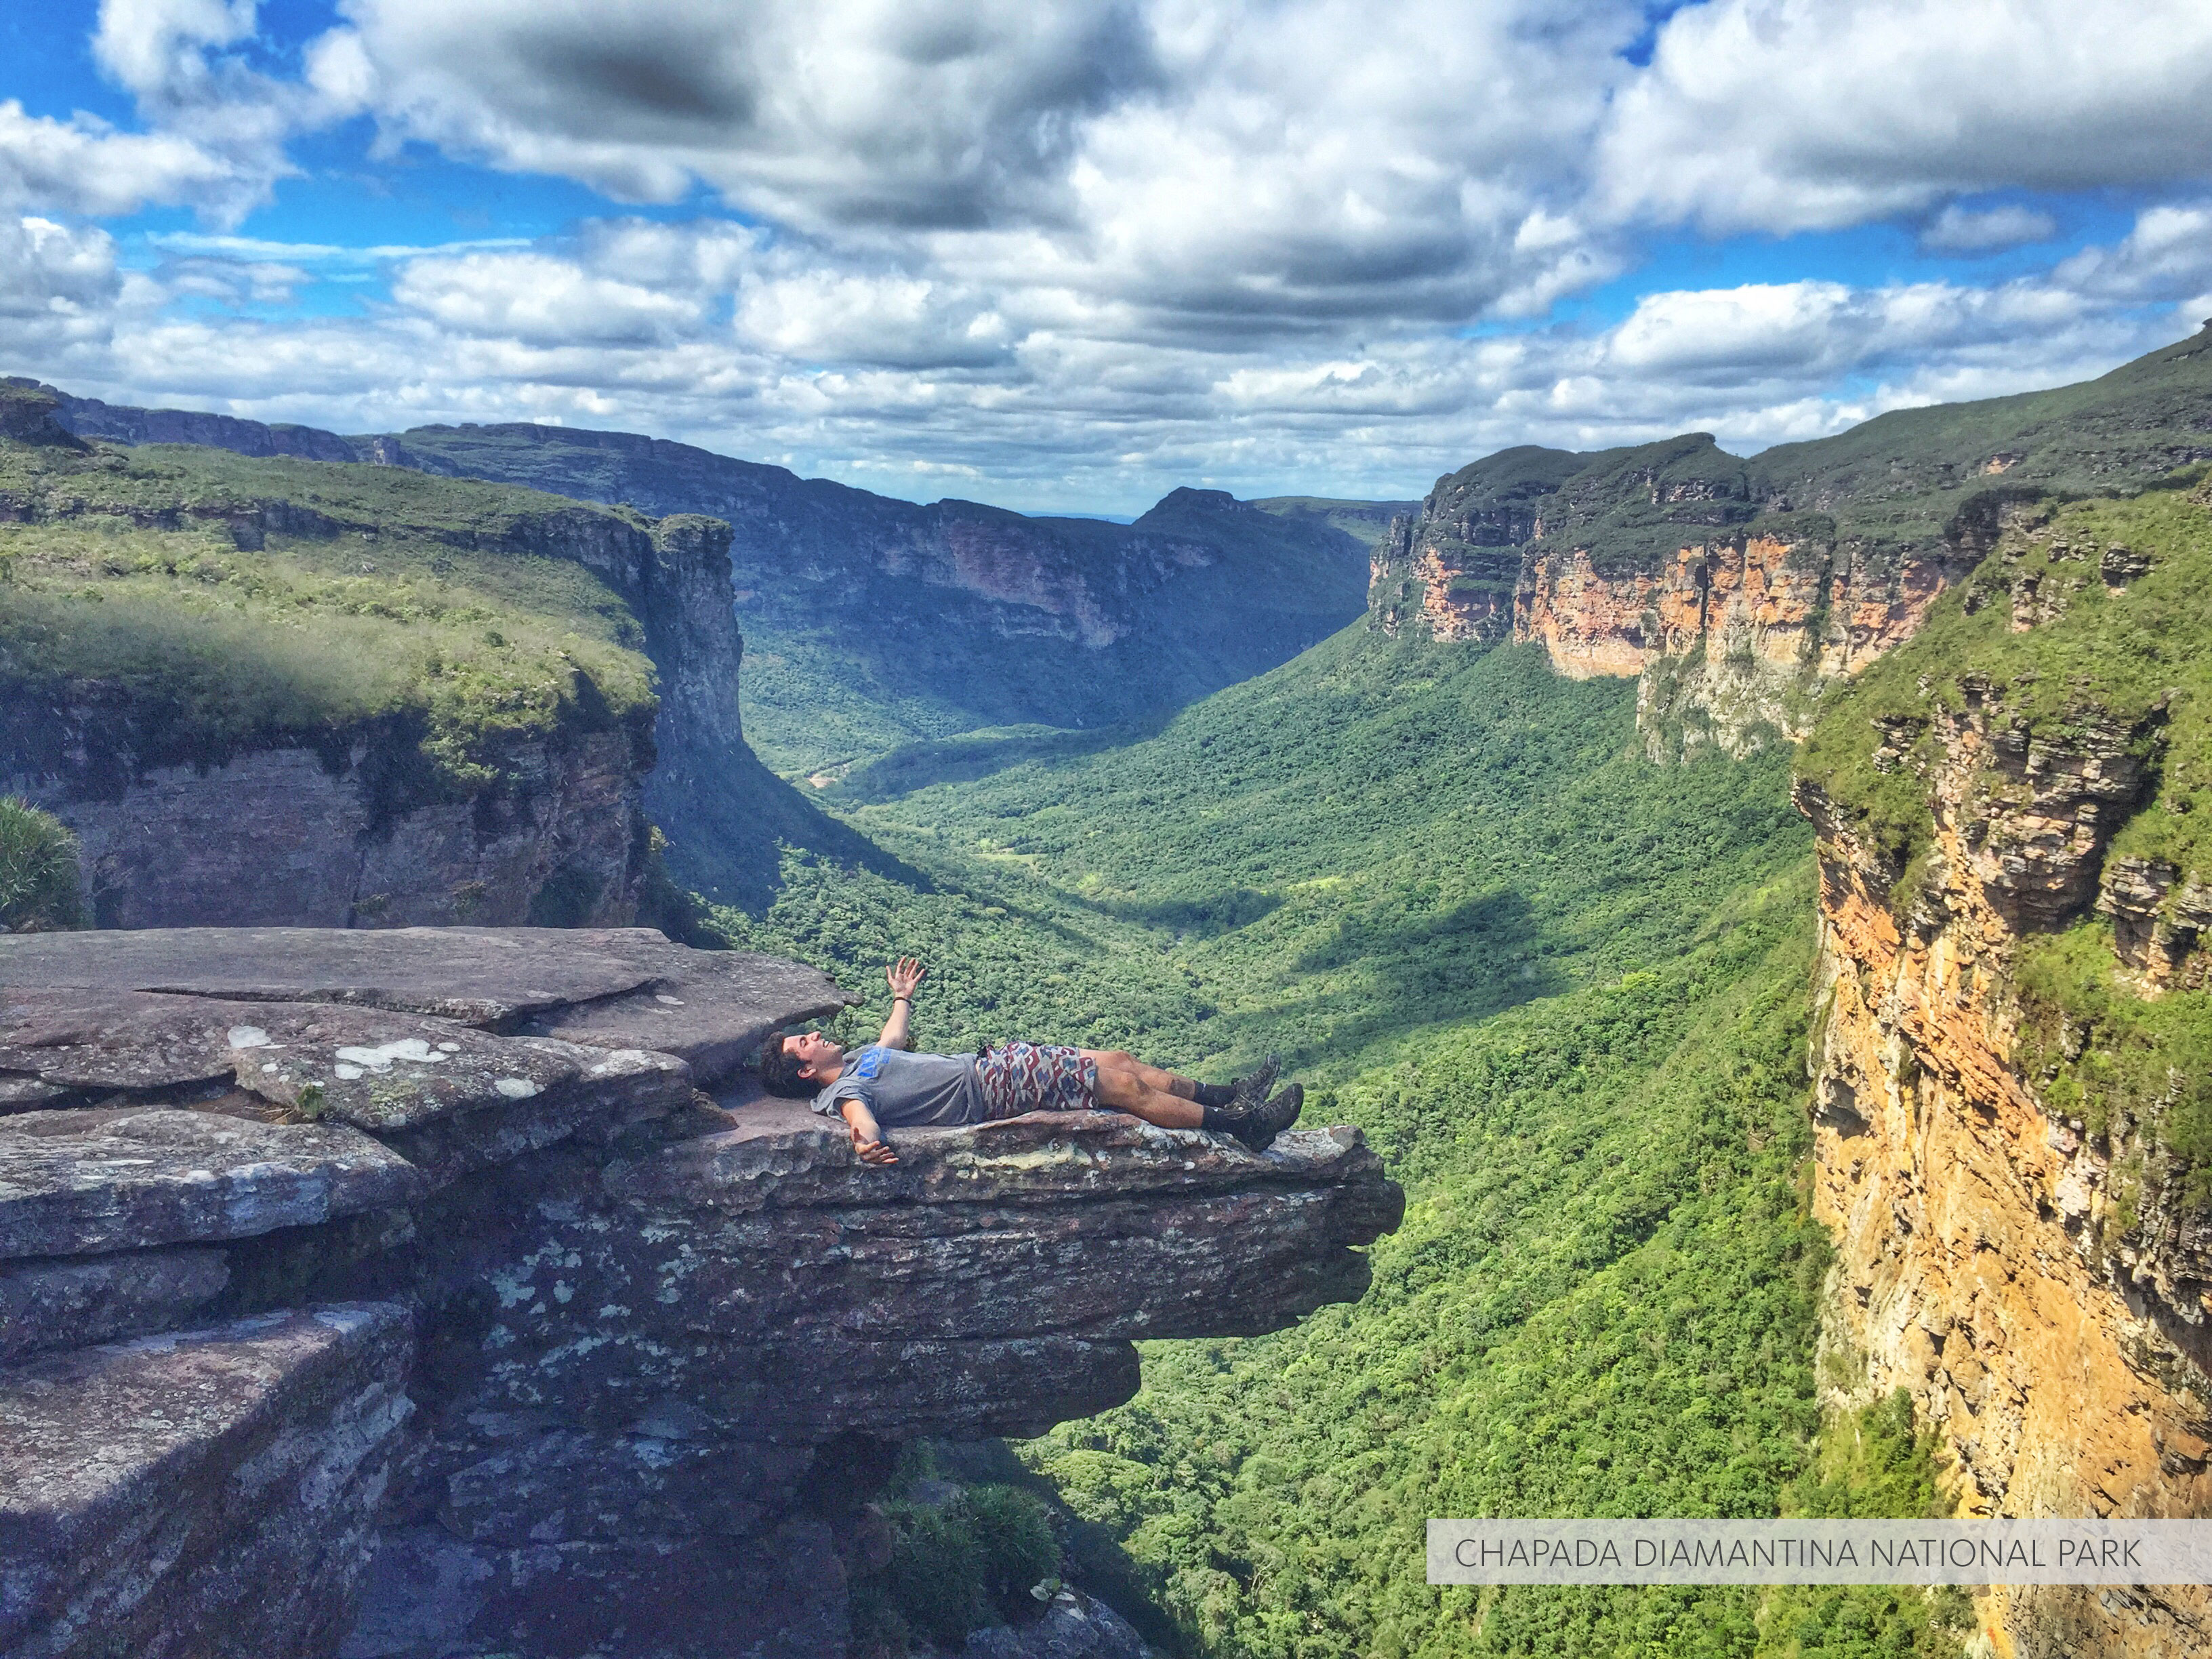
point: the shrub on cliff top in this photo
(40, 885)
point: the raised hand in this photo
(903, 975)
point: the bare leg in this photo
(1125, 1092)
(1166, 1082)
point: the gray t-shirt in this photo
(903, 1089)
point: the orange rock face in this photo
(1591, 626)
(2063, 1380)
(1750, 595)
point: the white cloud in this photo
(913, 112)
(1961, 230)
(332, 253)
(81, 166)
(1789, 115)
(1183, 167)
(2168, 256)
(880, 378)
(59, 288)
(540, 301)
(820, 316)
(1025, 244)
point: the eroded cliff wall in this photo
(2005, 1147)
(1742, 593)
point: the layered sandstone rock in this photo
(199, 1495)
(2063, 1358)
(664, 1349)
(1742, 592)
(309, 835)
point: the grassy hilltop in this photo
(225, 601)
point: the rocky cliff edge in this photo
(405, 1293)
(2008, 1055)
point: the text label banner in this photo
(1821, 1551)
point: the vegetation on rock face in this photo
(1564, 991)
(2087, 619)
(143, 577)
(1365, 522)
(955, 1558)
(41, 884)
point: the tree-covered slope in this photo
(1376, 838)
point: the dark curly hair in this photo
(779, 1071)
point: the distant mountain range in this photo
(871, 621)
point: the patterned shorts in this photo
(1029, 1077)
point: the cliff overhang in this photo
(590, 1357)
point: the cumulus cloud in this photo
(47, 269)
(895, 382)
(82, 167)
(1180, 165)
(917, 113)
(539, 300)
(1790, 115)
(1961, 230)
(183, 63)
(1089, 250)
(2168, 256)
(59, 290)
(903, 322)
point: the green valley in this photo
(1565, 992)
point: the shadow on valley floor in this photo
(1200, 918)
(1377, 972)
(728, 834)
(972, 755)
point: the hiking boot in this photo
(1248, 1093)
(1263, 1124)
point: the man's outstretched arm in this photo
(867, 1137)
(902, 975)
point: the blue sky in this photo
(1067, 257)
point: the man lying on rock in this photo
(882, 1087)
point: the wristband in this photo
(897, 1000)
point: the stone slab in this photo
(1074, 1626)
(368, 1067)
(86, 1183)
(566, 1486)
(432, 1595)
(1236, 1262)
(451, 1096)
(714, 1008)
(608, 1090)
(481, 975)
(990, 1283)
(818, 1385)
(202, 1495)
(75, 1302)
